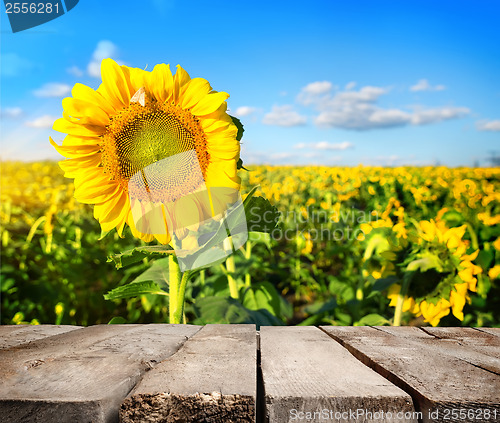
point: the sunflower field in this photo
(354, 246)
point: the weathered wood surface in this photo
(212, 378)
(491, 331)
(447, 378)
(218, 373)
(304, 372)
(82, 375)
(478, 341)
(13, 335)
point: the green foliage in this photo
(54, 269)
(229, 310)
(134, 289)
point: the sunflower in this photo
(144, 140)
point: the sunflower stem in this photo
(231, 268)
(401, 299)
(179, 314)
(248, 255)
(174, 282)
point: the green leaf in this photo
(103, 235)
(261, 215)
(377, 243)
(117, 320)
(313, 320)
(134, 290)
(239, 165)
(372, 320)
(426, 262)
(453, 218)
(239, 125)
(199, 258)
(229, 310)
(250, 194)
(485, 256)
(321, 307)
(263, 295)
(158, 273)
(139, 253)
(263, 237)
(384, 283)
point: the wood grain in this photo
(305, 371)
(12, 335)
(212, 378)
(440, 374)
(82, 375)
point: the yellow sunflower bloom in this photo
(134, 120)
(433, 313)
(494, 272)
(458, 298)
(409, 303)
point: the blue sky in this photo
(320, 82)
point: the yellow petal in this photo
(470, 257)
(84, 93)
(95, 190)
(196, 89)
(73, 167)
(161, 82)
(114, 85)
(209, 104)
(88, 113)
(135, 232)
(136, 76)
(75, 151)
(62, 125)
(112, 212)
(181, 80)
(78, 141)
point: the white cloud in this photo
(492, 125)
(423, 85)
(42, 122)
(314, 91)
(282, 156)
(52, 89)
(318, 87)
(105, 49)
(75, 71)
(350, 85)
(284, 116)
(325, 145)
(245, 111)
(423, 117)
(11, 112)
(358, 109)
(366, 94)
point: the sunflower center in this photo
(140, 140)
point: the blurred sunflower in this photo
(134, 120)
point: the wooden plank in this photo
(304, 372)
(12, 335)
(82, 375)
(480, 342)
(491, 331)
(406, 332)
(477, 348)
(212, 378)
(442, 377)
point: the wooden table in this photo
(233, 373)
